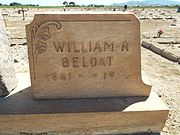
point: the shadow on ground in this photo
(22, 103)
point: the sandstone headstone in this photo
(85, 55)
(8, 79)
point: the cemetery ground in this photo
(162, 74)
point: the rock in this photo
(19, 54)
(8, 79)
(179, 61)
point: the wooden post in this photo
(22, 10)
(23, 13)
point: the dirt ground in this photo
(163, 74)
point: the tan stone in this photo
(19, 113)
(85, 55)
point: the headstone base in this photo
(19, 113)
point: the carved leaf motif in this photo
(44, 30)
(35, 28)
(58, 26)
(42, 34)
(41, 47)
(55, 23)
(45, 34)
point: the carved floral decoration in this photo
(40, 34)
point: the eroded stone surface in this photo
(85, 56)
(8, 79)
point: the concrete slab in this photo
(19, 113)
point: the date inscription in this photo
(64, 77)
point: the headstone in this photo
(174, 21)
(85, 56)
(22, 10)
(125, 8)
(8, 79)
(178, 9)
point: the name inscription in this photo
(101, 47)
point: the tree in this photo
(72, 3)
(15, 4)
(65, 3)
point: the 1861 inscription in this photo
(85, 56)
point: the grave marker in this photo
(178, 9)
(79, 56)
(22, 10)
(85, 56)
